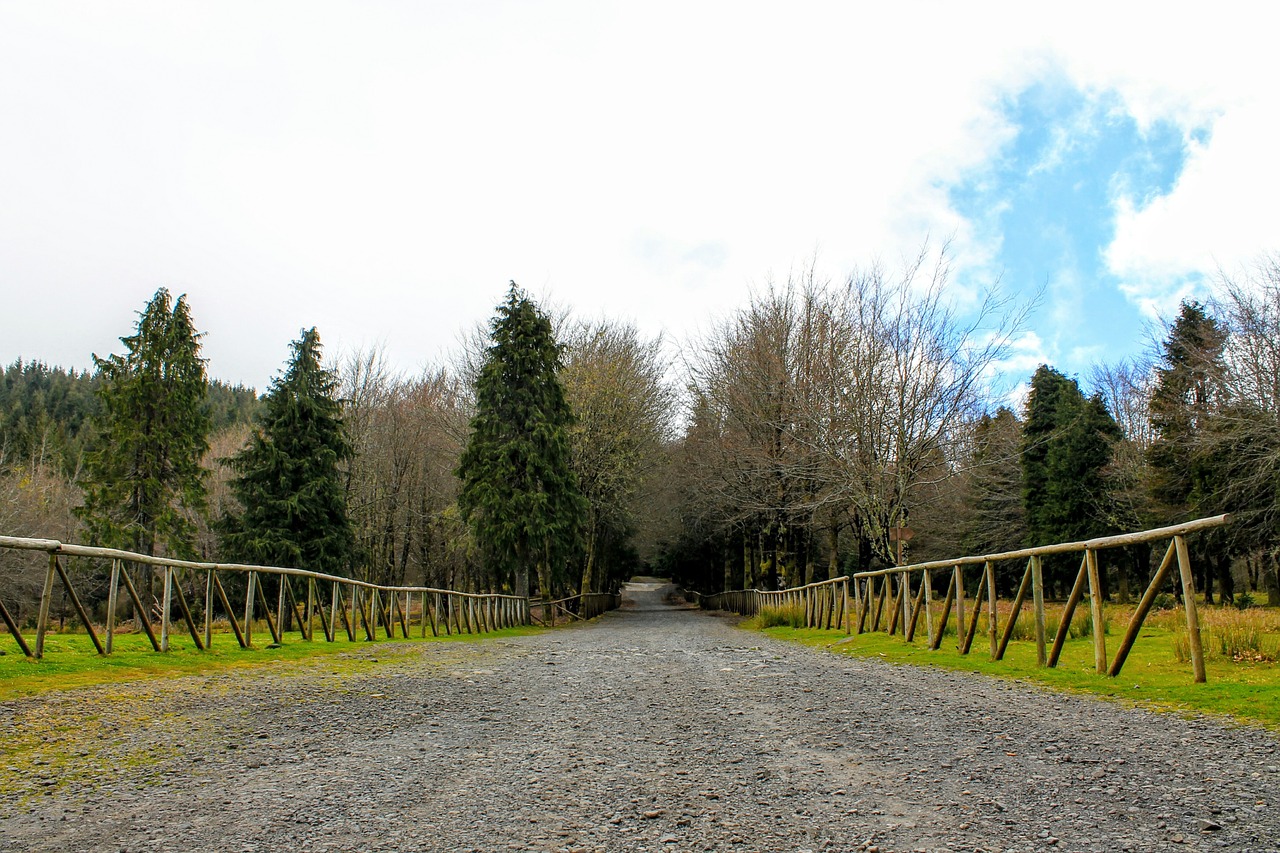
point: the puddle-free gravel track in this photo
(653, 728)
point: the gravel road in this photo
(651, 729)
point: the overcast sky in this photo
(381, 170)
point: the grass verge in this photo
(1153, 677)
(70, 660)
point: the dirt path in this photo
(651, 729)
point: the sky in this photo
(382, 170)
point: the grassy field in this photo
(71, 661)
(1241, 650)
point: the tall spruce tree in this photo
(519, 494)
(1188, 464)
(1188, 392)
(288, 483)
(1067, 441)
(996, 519)
(143, 480)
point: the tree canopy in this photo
(143, 479)
(289, 484)
(519, 494)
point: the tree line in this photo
(808, 434)
(826, 416)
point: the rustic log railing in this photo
(578, 607)
(893, 587)
(824, 603)
(895, 584)
(342, 606)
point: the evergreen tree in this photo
(1067, 442)
(519, 494)
(143, 476)
(993, 494)
(1045, 406)
(288, 483)
(1190, 466)
(45, 415)
(1187, 393)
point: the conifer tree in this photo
(288, 483)
(143, 477)
(993, 495)
(1067, 441)
(519, 494)
(1189, 463)
(1187, 393)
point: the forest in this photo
(792, 442)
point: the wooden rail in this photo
(342, 606)
(906, 600)
(824, 603)
(578, 607)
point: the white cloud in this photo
(1222, 209)
(382, 170)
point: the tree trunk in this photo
(769, 557)
(833, 542)
(544, 582)
(728, 564)
(1124, 567)
(1226, 583)
(522, 572)
(811, 569)
(588, 574)
(1203, 575)
(1273, 579)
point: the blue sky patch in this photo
(1046, 203)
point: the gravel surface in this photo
(650, 729)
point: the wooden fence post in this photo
(916, 607)
(1037, 599)
(113, 600)
(283, 579)
(906, 601)
(990, 571)
(79, 608)
(936, 641)
(928, 603)
(165, 607)
(844, 607)
(208, 609)
(1189, 603)
(1064, 625)
(249, 600)
(1095, 612)
(12, 625)
(310, 613)
(1014, 611)
(894, 606)
(46, 600)
(976, 611)
(1140, 615)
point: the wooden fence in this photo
(577, 607)
(341, 606)
(824, 603)
(906, 599)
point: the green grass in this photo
(1153, 675)
(71, 661)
